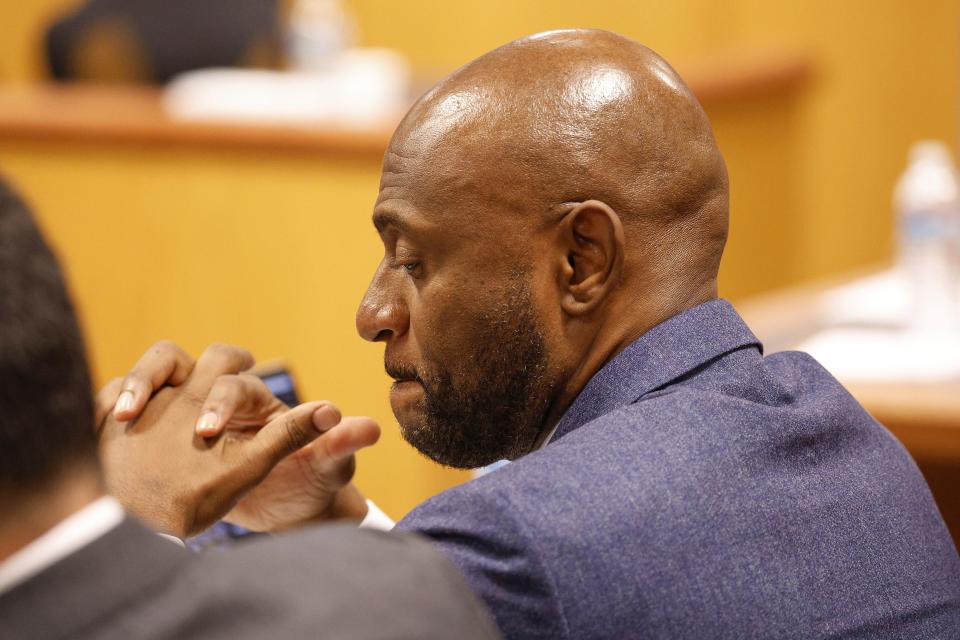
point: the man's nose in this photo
(381, 316)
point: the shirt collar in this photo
(666, 352)
(69, 535)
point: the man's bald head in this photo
(573, 115)
(540, 208)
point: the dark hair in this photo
(46, 404)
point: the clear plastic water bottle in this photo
(927, 201)
(317, 31)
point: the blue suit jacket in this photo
(697, 489)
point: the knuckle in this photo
(190, 397)
(221, 384)
(107, 396)
(133, 381)
(292, 435)
(222, 353)
(225, 390)
(244, 358)
(257, 389)
(164, 347)
(215, 349)
(250, 380)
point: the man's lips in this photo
(406, 394)
(403, 383)
(401, 373)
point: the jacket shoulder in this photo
(329, 581)
(345, 582)
(487, 536)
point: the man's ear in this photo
(594, 244)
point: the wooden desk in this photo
(135, 115)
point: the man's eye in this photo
(407, 261)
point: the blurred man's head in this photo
(46, 410)
(540, 208)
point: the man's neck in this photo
(608, 344)
(27, 517)
(600, 353)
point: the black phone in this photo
(279, 379)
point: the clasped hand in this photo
(185, 443)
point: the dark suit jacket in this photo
(697, 489)
(330, 582)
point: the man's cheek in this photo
(448, 330)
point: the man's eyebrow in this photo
(383, 219)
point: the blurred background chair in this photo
(151, 41)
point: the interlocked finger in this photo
(163, 364)
(237, 401)
(217, 360)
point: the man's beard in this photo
(491, 405)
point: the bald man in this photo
(553, 216)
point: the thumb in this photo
(352, 434)
(293, 430)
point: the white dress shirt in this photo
(376, 519)
(68, 536)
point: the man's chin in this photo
(423, 437)
(453, 443)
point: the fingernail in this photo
(124, 402)
(207, 424)
(325, 418)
